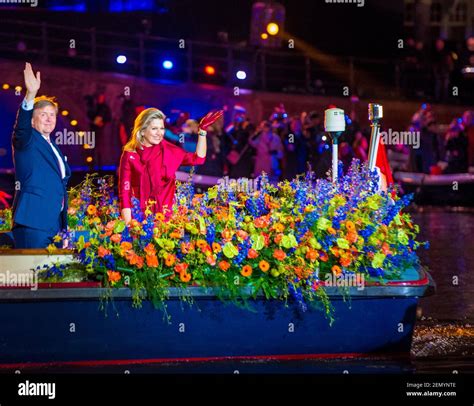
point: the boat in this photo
(63, 324)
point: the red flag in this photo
(382, 163)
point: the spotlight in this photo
(89, 159)
(73, 122)
(64, 113)
(167, 64)
(241, 75)
(264, 35)
(272, 28)
(121, 59)
(5, 86)
(210, 70)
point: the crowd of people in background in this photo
(286, 145)
(431, 70)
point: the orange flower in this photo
(331, 230)
(150, 249)
(201, 244)
(159, 216)
(386, 248)
(87, 244)
(125, 246)
(216, 247)
(181, 267)
(278, 227)
(170, 260)
(336, 270)
(151, 261)
(116, 238)
(264, 265)
(260, 222)
(323, 256)
(345, 261)
(242, 234)
(350, 226)
(335, 252)
(312, 255)
(252, 253)
(224, 265)
(278, 238)
(211, 260)
(184, 276)
(175, 234)
(279, 255)
(103, 252)
(136, 260)
(352, 236)
(246, 271)
(226, 234)
(114, 277)
(91, 210)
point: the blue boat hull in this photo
(67, 326)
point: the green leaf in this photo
(324, 223)
(402, 237)
(230, 251)
(289, 241)
(342, 243)
(212, 192)
(119, 227)
(397, 220)
(377, 262)
(258, 242)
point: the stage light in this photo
(167, 64)
(324, 138)
(241, 75)
(64, 113)
(18, 88)
(89, 159)
(5, 86)
(86, 146)
(210, 70)
(121, 59)
(73, 122)
(264, 35)
(272, 28)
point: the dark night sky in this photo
(340, 28)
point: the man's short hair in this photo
(43, 101)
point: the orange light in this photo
(73, 122)
(89, 159)
(86, 146)
(6, 86)
(272, 28)
(65, 113)
(210, 70)
(264, 35)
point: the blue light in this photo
(121, 59)
(460, 120)
(423, 106)
(241, 75)
(167, 64)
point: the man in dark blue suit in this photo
(41, 171)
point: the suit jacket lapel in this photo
(47, 152)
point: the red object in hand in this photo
(382, 163)
(209, 119)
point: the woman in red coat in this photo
(149, 163)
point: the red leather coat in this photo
(150, 173)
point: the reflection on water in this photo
(451, 263)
